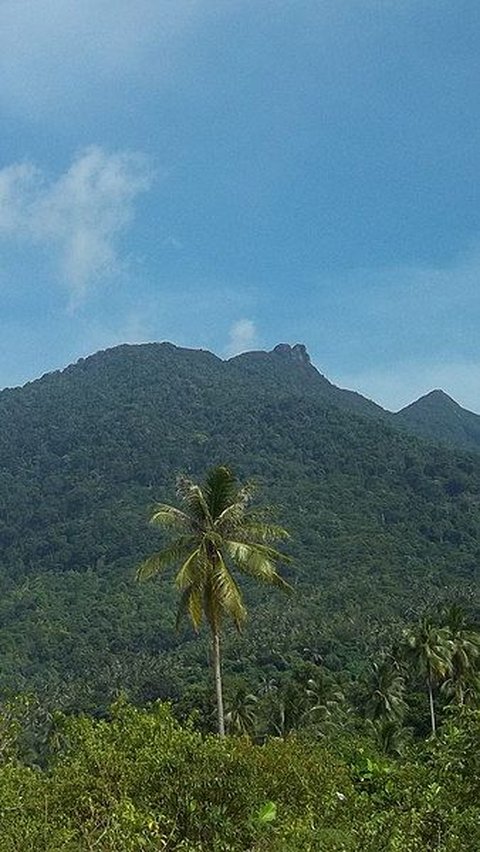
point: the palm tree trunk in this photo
(432, 706)
(218, 683)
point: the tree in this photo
(242, 713)
(327, 707)
(463, 681)
(216, 532)
(386, 691)
(430, 648)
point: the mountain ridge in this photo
(433, 416)
(294, 352)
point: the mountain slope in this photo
(437, 416)
(291, 365)
(381, 523)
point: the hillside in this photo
(382, 524)
(437, 416)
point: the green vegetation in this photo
(217, 529)
(431, 649)
(351, 706)
(384, 526)
(137, 779)
(438, 417)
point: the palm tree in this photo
(463, 681)
(284, 708)
(216, 531)
(327, 707)
(389, 735)
(430, 648)
(387, 689)
(242, 713)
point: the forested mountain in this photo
(437, 416)
(382, 524)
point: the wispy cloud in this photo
(79, 215)
(242, 336)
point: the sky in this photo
(231, 174)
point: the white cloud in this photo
(20, 185)
(242, 337)
(80, 215)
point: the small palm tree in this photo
(216, 532)
(284, 708)
(242, 713)
(387, 690)
(327, 707)
(463, 681)
(430, 648)
(389, 735)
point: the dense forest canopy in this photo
(383, 525)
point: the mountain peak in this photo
(433, 398)
(298, 352)
(437, 416)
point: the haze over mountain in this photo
(381, 522)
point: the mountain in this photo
(382, 523)
(279, 362)
(437, 416)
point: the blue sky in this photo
(228, 174)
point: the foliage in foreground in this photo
(140, 781)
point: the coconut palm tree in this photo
(217, 533)
(327, 706)
(386, 691)
(389, 735)
(430, 648)
(284, 708)
(463, 681)
(242, 713)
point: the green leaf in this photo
(267, 813)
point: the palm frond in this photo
(221, 490)
(190, 604)
(257, 561)
(170, 516)
(162, 559)
(262, 531)
(195, 608)
(265, 550)
(193, 497)
(211, 607)
(231, 517)
(190, 574)
(226, 592)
